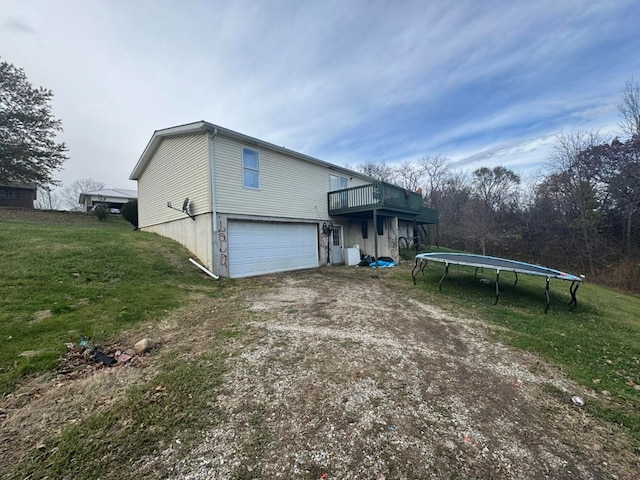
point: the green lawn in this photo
(67, 276)
(597, 344)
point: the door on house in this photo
(256, 248)
(336, 251)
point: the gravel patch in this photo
(343, 377)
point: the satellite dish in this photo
(185, 208)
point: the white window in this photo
(338, 182)
(250, 168)
(337, 236)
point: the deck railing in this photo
(379, 195)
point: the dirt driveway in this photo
(346, 376)
(342, 373)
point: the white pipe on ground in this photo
(208, 272)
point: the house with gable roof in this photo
(113, 198)
(247, 207)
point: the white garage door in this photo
(256, 248)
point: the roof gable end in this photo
(202, 126)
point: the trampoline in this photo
(497, 264)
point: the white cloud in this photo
(338, 80)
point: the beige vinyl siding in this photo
(387, 242)
(289, 187)
(178, 169)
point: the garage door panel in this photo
(257, 248)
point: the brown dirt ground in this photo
(346, 374)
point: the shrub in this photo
(407, 250)
(129, 212)
(407, 253)
(101, 211)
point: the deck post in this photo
(375, 235)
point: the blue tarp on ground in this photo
(382, 263)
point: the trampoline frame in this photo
(498, 264)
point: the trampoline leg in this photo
(475, 275)
(423, 264)
(573, 291)
(546, 292)
(413, 272)
(446, 270)
(516, 282)
(497, 287)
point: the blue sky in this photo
(484, 83)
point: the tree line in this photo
(581, 215)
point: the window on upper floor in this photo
(337, 182)
(250, 168)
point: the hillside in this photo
(326, 373)
(68, 276)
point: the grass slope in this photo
(597, 344)
(67, 276)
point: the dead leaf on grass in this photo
(41, 315)
(28, 353)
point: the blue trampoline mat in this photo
(496, 263)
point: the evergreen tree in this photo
(28, 149)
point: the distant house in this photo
(21, 196)
(246, 207)
(114, 198)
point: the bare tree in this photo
(409, 175)
(567, 147)
(549, 234)
(47, 199)
(497, 187)
(623, 181)
(629, 108)
(494, 192)
(71, 193)
(579, 178)
(530, 184)
(437, 171)
(453, 198)
(379, 171)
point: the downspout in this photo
(205, 270)
(212, 179)
(212, 192)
